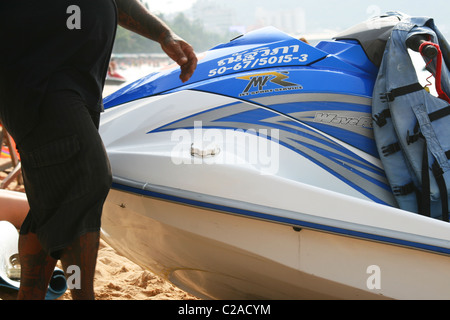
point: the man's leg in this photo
(67, 177)
(36, 268)
(82, 253)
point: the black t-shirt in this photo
(51, 45)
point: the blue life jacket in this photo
(411, 126)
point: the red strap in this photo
(438, 74)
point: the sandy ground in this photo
(117, 278)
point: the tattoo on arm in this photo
(133, 16)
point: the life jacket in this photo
(412, 126)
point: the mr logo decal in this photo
(262, 80)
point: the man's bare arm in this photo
(133, 16)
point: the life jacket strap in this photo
(391, 149)
(439, 114)
(394, 93)
(380, 119)
(404, 190)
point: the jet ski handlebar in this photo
(418, 43)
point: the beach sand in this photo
(117, 278)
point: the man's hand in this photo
(181, 52)
(134, 17)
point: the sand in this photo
(118, 278)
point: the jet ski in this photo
(260, 178)
(114, 78)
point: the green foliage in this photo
(129, 42)
(194, 33)
(191, 31)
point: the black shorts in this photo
(66, 172)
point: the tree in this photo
(192, 31)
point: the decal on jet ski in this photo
(259, 62)
(261, 80)
(264, 52)
(343, 120)
(299, 137)
(294, 52)
(259, 57)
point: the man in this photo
(52, 71)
